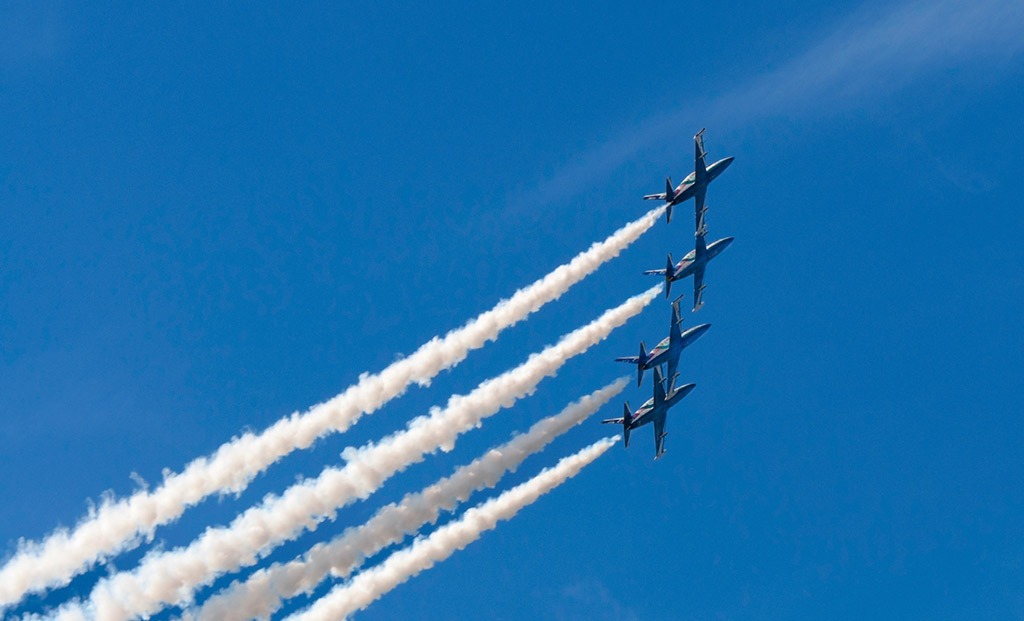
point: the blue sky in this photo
(213, 217)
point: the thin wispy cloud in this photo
(869, 54)
(32, 36)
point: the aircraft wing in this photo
(700, 168)
(615, 421)
(659, 436)
(675, 336)
(700, 225)
(659, 387)
(660, 272)
(698, 289)
(673, 366)
(655, 197)
(629, 359)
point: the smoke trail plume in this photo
(119, 525)
(170, 577)
(374, 583)
(264, 591)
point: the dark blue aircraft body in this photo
(653, 411)
(666, 352)
(695, 261)
(693, 264)
(695, 185)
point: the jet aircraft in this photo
(669, 349)
(694, 263)
(654, 410)
(695, 185)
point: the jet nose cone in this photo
(685, 390)
(695, 333)
(722, 164)
(726, 241)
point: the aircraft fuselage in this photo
(689, 186)
(692, 262)
(662, 352)
(648, 412)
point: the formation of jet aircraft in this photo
(694, 263)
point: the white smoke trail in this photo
(119, 525)
(263, 592)
(374, 583)
(171, 577)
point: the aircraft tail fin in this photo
(640, 364)
(669, 268)
(627, 419)
(670, 194)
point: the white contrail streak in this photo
(263, 592)
(171, 577)
(374, 583)
(119, 525)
